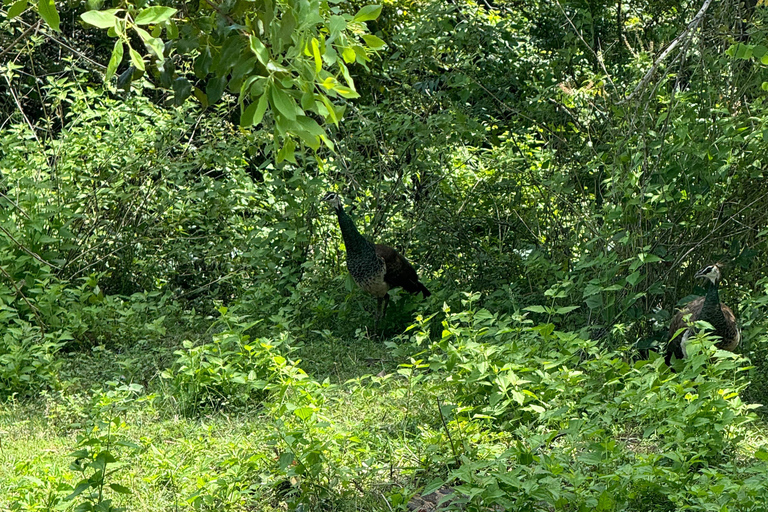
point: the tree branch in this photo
(647, 78)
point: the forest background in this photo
(178, 329)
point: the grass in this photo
(377, 436)
(205, 461)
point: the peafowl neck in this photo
(710, 310)
(353, 240)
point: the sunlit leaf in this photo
(154, 14)
(284, 103)
(367, 13)
(47, 11)
(115, 59)
(17, 8)
(100, 19)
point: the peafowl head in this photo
(711, 272)
(333, 199)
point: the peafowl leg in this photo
(386, 303)
(376, 314)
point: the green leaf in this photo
(258, 48)
(348, 54)
(304, 412)
(287, 152)
(536, 309)
(254, 113)
(634, 278)
(120, 489)
(215, 88)
(566, 309)
(81, 486)
(336, 26)
(47, 11)
(100, 19)
(136, 59)
(171, 30)
(114, 60)
(316, 54)
(17, 8)
(154, 44)
(284, 103)
(181, 90)
(346, 92)
(154, 14)
(594, 301)
(373, 41)
(367, 13)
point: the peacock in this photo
(376, 268)
(708, 308)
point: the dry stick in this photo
(24, 34)
(24, 297)
(647, 78)
(61, 42)
(21, 109)
(200, 288)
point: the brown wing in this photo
(399, 271)
(678, 321)
(732, 336)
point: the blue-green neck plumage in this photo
(353, 240)
(710, 310)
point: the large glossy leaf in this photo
(154, 14)
(254, 113)
(100, 19)
(368, 13)
(114, 60)
(284, 104)
(17, 8)
(136, 59)
(47, 10)
(373, 41)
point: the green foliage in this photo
(630, 431)
(519, 149)
(28, 359)
(230, 371)
(100, 449)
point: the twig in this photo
(21, 246)
(448, 432)
(24, 297)
(647, 78)
(192, 292)
(597, 57)
(60, 42)
(14, 203)
(22, 36)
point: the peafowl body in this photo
(708, 308)
(376, 268)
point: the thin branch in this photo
(647, 78)
(597, 57)
(21, 246)
(61, 42)
(24, 297)
(24, 34)
(448, 432)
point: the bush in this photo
(231, 370)
(28, 361)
